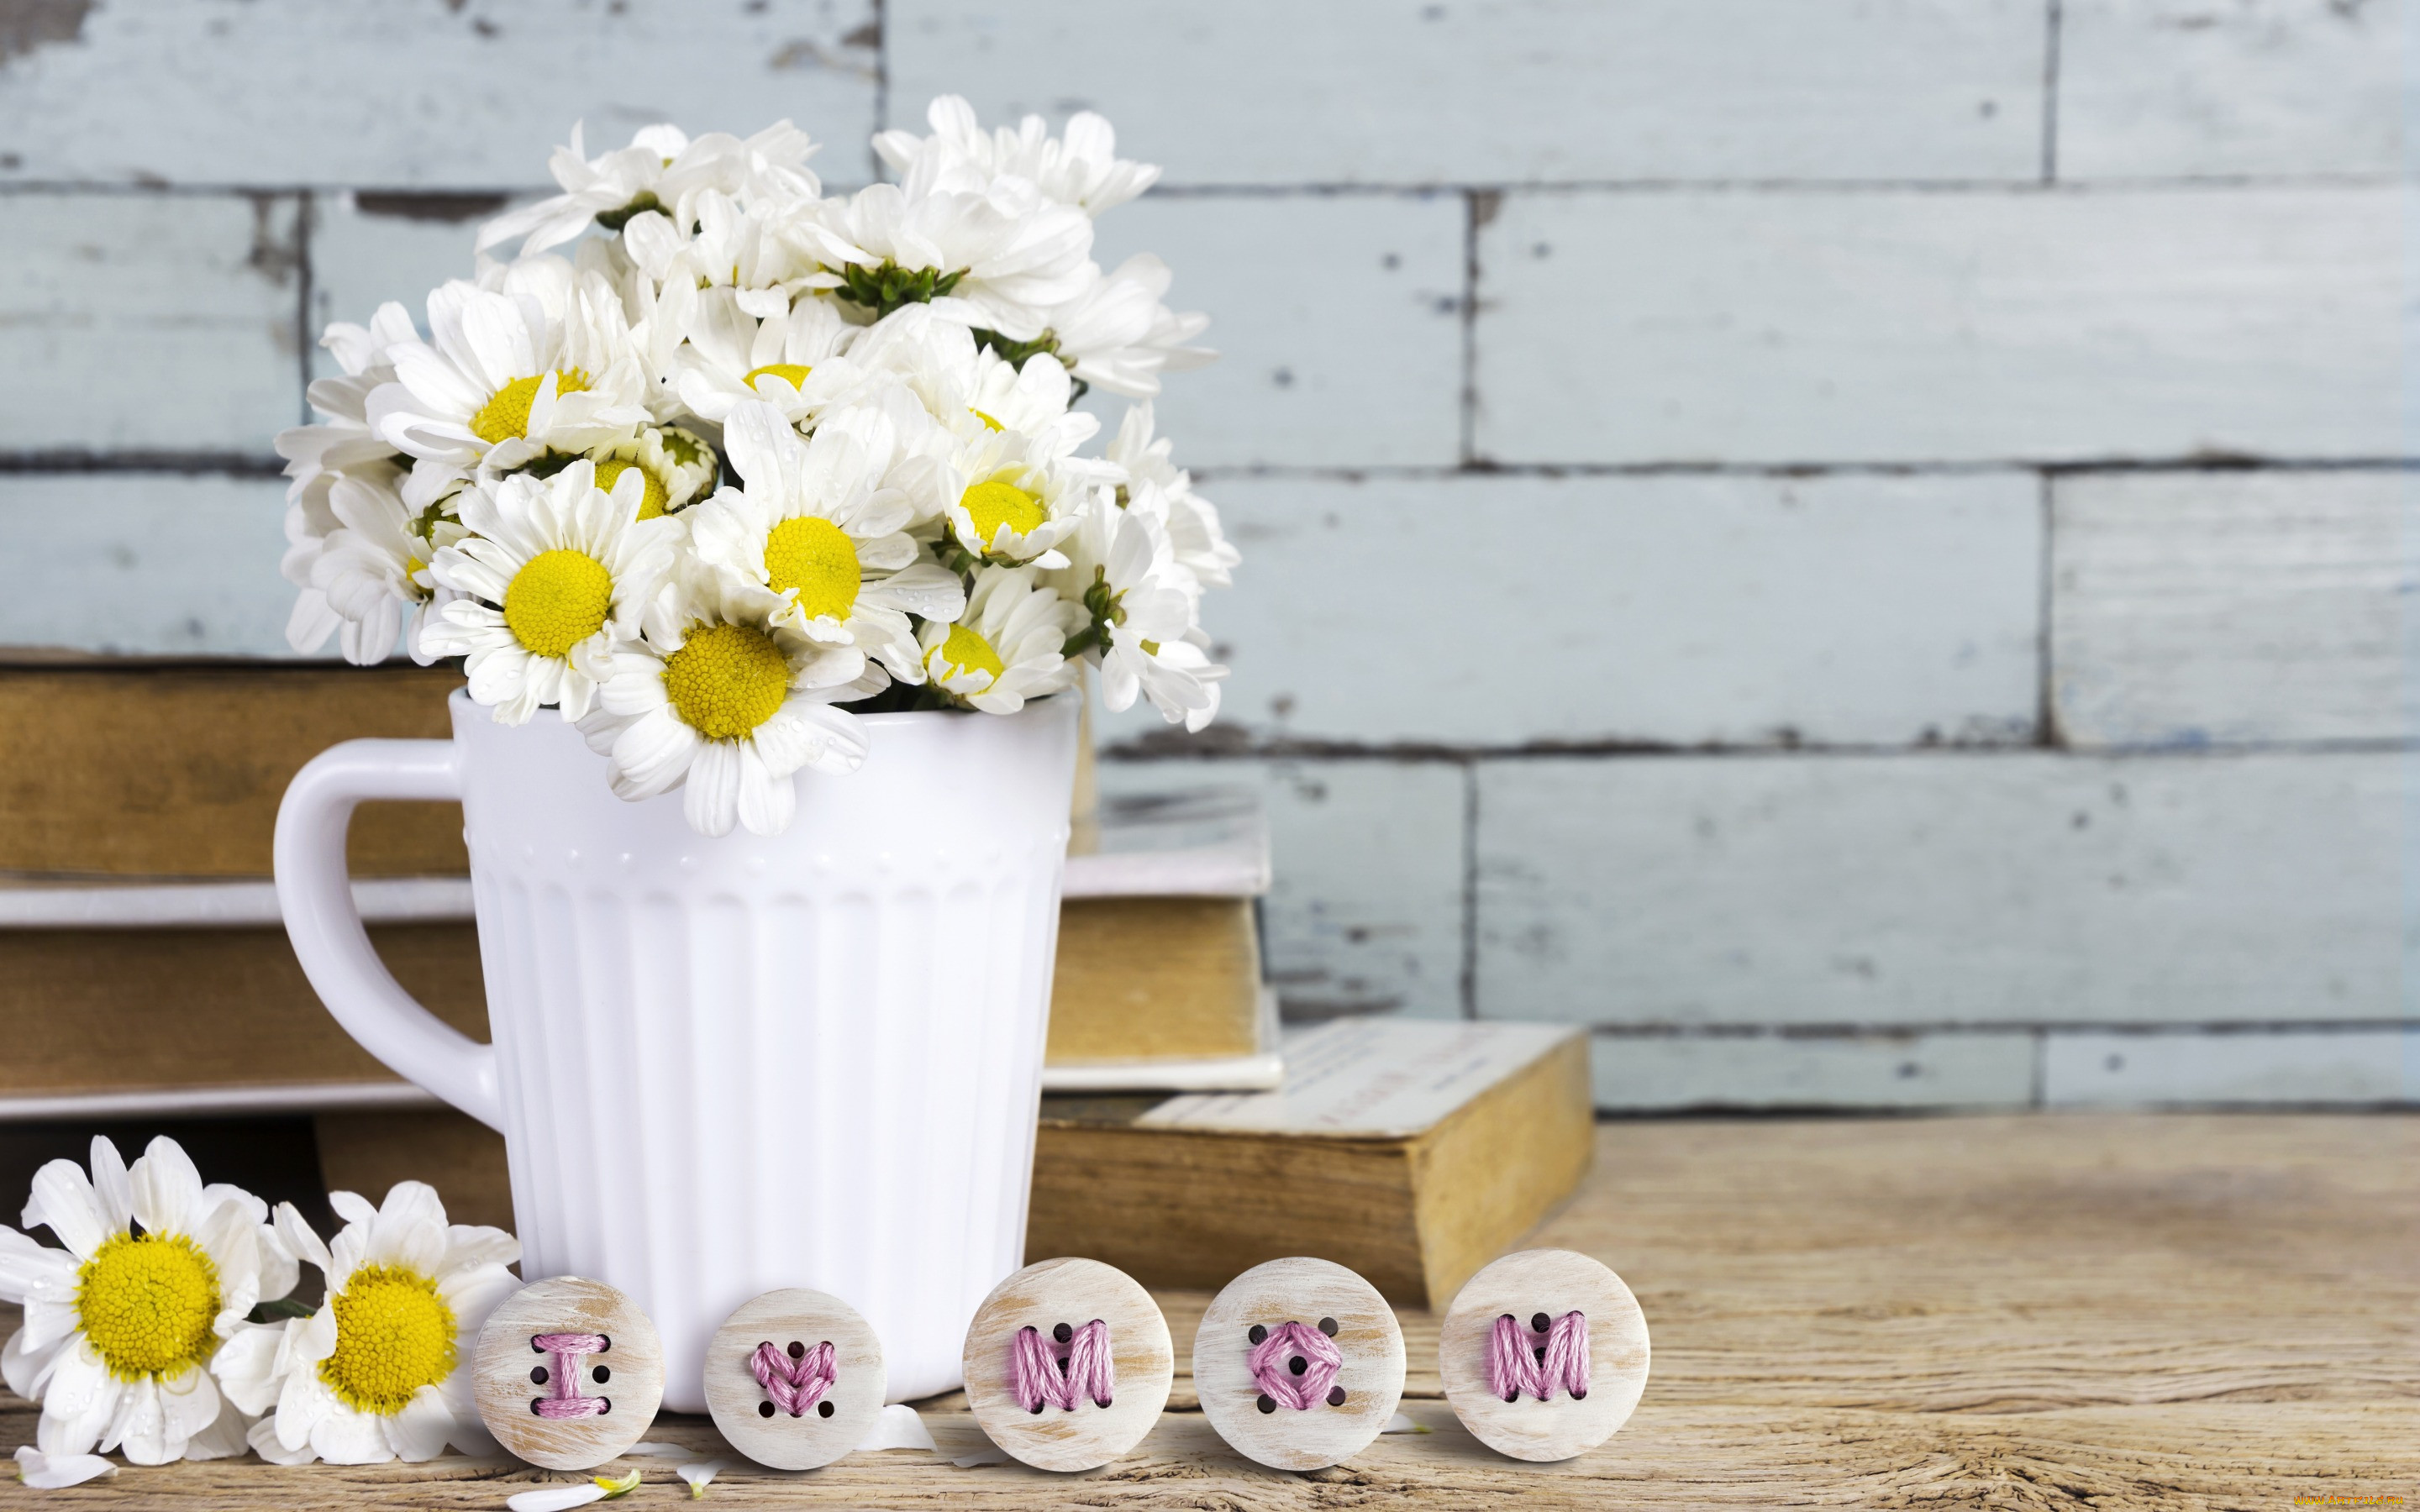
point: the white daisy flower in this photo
(555, 572)
(316, 454)
(659, 167)
(546, 363)
(676, 464)
(382, 1370)
(122, 1324)
(1141, 607)
(816, 545)
(729, 704)
(1001, 255)
(1008, 646)
(1193, 529)
(1118, 336)
(373, 568)
(1010, 499)
(1033, 399)
(1082, 168)
(747, 346)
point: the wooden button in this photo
(1538, 1290)
(825, 1367)
(1339, 1325)
(1066, 1303)
(569, 1374)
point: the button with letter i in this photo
(569, 1374)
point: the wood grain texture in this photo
(2174, 88)
(1895, 326)
(152, 322)
(2134, 1313)
(1072, 1291)
(800, 1316)
(176, 771)
(1930, 888)
(1541, 91)
(400, 96)
(1848, 609)
(1299, 1289)
(2212, 609)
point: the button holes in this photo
(606, 1406)
(600, 1375)
(1579, 1396)
(534, 1408)
(823, 1409)
(1328, 1326)
(1512, 1397)
(1256, 1335)
(534, 1349)
(1102, 1401)
(797, 1351)
(1540, 1352)
(1036, 1409)
(1268, 1404)
(1063, 1333)
(607, 1345)
(1335, 1396)
(1298, 1364)
(1540, 1323)
(763, 1409)
(537, 1375)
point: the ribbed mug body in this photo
(813, 1059)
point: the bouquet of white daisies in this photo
(716, 462)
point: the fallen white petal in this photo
(667, 1450)
(50, 1472)
(698, 1474)
(898, 1427)
(1400, 1423)
(993, 1456)
(556, 1498)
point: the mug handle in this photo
(316, 895)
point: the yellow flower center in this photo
(557, 600)
(996, 503)
(650, 507)
(395, 1335)
(793, 373)
(813, 557)
(146, 1303)
(989, 424)
(966, 651)
(726, 679)
(506, 415)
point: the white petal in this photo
(556, 1498)
(109, 1184)
(711, 804)
(246, 1366)
(264, 1440)
(79, 1402)
(168, 1189)
(139, 1429)
(420, 1430)
(345, 1437)
(898, 1427)
(27, 1266)
(63, 1199)
(54, 1471)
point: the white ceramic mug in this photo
(726, 1066)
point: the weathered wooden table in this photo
(2008, 1312)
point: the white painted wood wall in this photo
(1862, 548)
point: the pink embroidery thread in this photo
(795, 1385)
(1037, 1376)
(563, 1398)
(1516, 1364)
(1274, 1364)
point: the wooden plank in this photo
(2356, 1066)
(366, 250)
(177, 771)
(1357, 363)
(2215, 609)
(148, 564)
(1365, 914)
(1648, 1073)
(2147, 1312)
(2175, 88)
(1919, 889)
(1544, 91)
(146, 322)
(290, 91)
(1730, 610)
(1944, 327)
